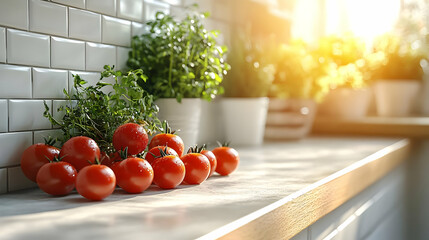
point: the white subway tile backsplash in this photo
(121, 57)
(138, 29)
(17, 180)
(47, 17)
(130, 9)
(3, 115)
(116, 31)
(84, 25)
(73, 3)
(14, 13)
(98, 55)
(12, 145)
(173, 2)
(49, 83)
(91, 77)
(69, 54)
(102, 6)
(151, 7)
(15, 81)
(3, 180)
(2, 44)
(28, 115)
(39, 136)
(28, 48)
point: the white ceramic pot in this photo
(244, 120)
(210, 123)
(346, 103)
(424, 100)
(396, 98)
(183, 117)
(289, 118)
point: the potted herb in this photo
(297, 86)
(184, 64)
(245, 102)
(398, 78)
(348, 79)
(97, 111)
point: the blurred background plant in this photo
(299, 73)
(252, 69)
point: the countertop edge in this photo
(299, 210)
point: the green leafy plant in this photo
(398, 58)
(299, 74)
(180, 58)
(251, 71)
(92, 112)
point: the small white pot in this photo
(244, 120)
(183, 117)
(289, 119)
(346, 103)
(210, 123)
(396, 98)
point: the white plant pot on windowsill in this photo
(396, 98)
(183, 117)
(346, 103)
(244, 120)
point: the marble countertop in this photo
(266, 175)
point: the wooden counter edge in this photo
(290, 215)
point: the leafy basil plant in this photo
(180, 58)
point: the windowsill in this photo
(279, 189)
(416, 127)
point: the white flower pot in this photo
(346, 103)
(244, 120)
(183, 117)
(289, 118)
(424, 100)
(210, 123)
(396, 98)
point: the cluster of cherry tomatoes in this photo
(80, 164)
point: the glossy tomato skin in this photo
(57, 178)
(171, 140)
(212, 159)
(95, 182)
(197, 168)
(156, 151)
(227, 160)
(130, 135)
(134, 175)
(79, 150)
(169, 172)
(34, 157)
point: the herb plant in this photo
(180, 58)
(96, 114)
(299, 73)
(251, 72)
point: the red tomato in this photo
(95, 182)
(212, 159)
(79, 151)
(154, 153)
(105, 159)
(35, 156)
(169, 172)
(227, 160)
(170, 140)
(134, 175)
(130, 135)
(197, 168)
(57, 178)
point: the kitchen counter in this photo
(279, 189)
